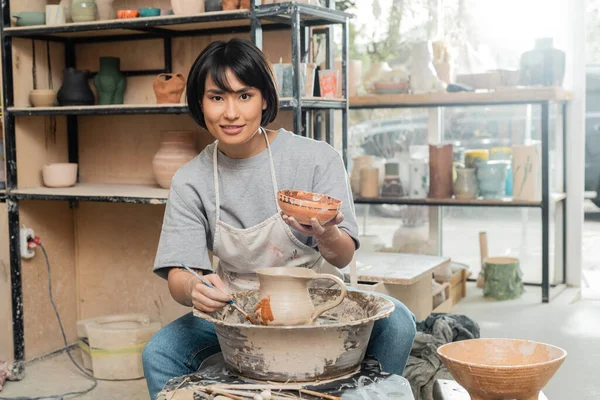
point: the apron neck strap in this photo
(216, 175)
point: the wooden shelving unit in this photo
(101, 235)
(480, 202)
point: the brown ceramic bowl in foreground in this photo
(306, 205)
(502, 369)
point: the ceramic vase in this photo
(544, 65)
(358, 163)
(491, 179)
(83, 10)
(527, 173)
(369, 182)
(168, 88)
(110, 82)
(419, 178)
(465, 185)
(392, 186)
(440, 171)
(176, 149)
(75, 90)
(187, 7)
(423, 77)
(106, 10)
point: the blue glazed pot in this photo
(491, 178)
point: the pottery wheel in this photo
(368, 382)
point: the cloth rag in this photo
(424, 366)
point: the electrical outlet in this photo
(24, 234)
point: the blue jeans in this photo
(180, 347)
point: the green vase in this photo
(110, 82)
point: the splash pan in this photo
(331, 348)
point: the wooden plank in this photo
(106, 190)
(506, 96)
(399, 268)
(117, 246)
(52, 221)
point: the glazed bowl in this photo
(332, 347)
(125, 14)
(42, 97)
(502, 369)
(59, 175)
(306, 205)
(149, 12)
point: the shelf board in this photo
(278, 15)
(120, 109)
(524, 95)
(146, 194)
(506, 202)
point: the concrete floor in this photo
(572, 325)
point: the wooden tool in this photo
(483, 250)
(207, 283)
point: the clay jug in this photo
(187, 7)
(465, 185)
(284, 298)
(176, 149)
(110, 82)
(168, 88)
(440, 171)
(75, 90)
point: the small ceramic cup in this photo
(149, 12)
(328, 82)
(55, 15)
(125, 14)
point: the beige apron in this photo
(268, 244)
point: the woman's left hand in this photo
(327, 231)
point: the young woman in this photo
(225, 200)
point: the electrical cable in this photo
(36, 242)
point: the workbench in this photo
(406, 277)
(368, 383)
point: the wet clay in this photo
(498, 369)
(333, 346)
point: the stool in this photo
(445, 389)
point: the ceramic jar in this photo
(168, 88)
(106, 10)
(474, 157)
(465, 185)
(110, 82)
(369, 182)
(83, 10)
(491, 179)
(284, 299)
(75, 90)
(441, 158)
(392, 187)
(418, 178)
(544, 65)
(358, 163)
(176, 149)
(187, 7)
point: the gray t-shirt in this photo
(246, 195)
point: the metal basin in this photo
(333, 347)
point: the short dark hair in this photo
(246, 61)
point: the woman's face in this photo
(232, 117)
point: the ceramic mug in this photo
(55, 15)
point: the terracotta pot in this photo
(502, 368)
(168, 88)
(369, 182)
(306, 205)
(176, 149)
(440, 171)
(59, 175)
(187, 7)
(283, 298)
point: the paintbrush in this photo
(210, 285)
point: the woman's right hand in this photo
(207, 299)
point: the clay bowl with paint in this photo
(306, 205)
(331, 348)
(502, 369)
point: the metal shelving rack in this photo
(541, 97)
(300, 18)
